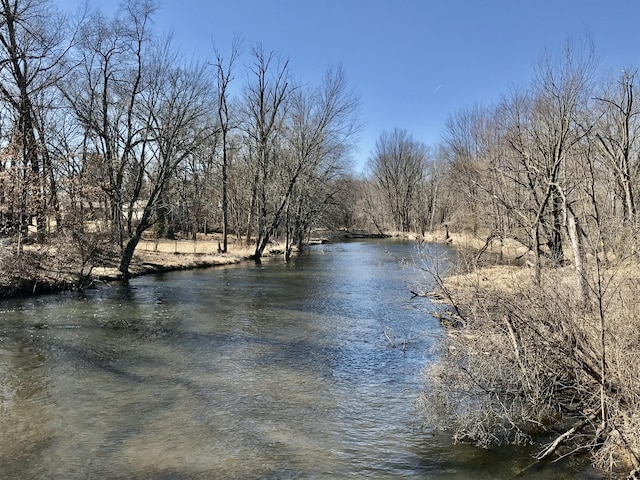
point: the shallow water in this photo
(252, 371)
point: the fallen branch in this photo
(391, 342)
(488, 243)
(566, 435)
(553, 446)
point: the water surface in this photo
(252, 371)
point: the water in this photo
(242, 372)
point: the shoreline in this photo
(153, 256)
(48, 269)
(59, 277)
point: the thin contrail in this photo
(437, 88)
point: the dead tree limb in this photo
(553, 446)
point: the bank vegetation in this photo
(110, 136)
(543, 331)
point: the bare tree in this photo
(321, 128)
(267, 97)
(140, 108)
(104, 93)
(617, 133)
(371, 213)
(543, 131)
(435, 193)
(223, 79)
(398, 164)
(469, 156)
(188, 205)
(174, 106)
(32, 47)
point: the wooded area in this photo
(108, 134)
(548, 342)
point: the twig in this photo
(393, 345)
(560, 439)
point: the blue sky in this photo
(413, 62)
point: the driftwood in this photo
(559, 440)
(362, 234)
(435, 297)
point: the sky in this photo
(414, 63)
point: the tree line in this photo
(561, 151)
(107, 129)
(107, 132)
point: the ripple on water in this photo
(277, 371)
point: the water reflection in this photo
(270, 371)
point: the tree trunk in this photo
(225, 200)
(433, 207)
(579, 255)
(127, 255)
(252, 209)
(555, 244)
(536, 250)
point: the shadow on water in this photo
(254, 371)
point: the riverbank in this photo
(534, 358)
(156, 256)
(58, 266)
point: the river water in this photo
(276, 371)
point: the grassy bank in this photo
(61, 266)
(534, 360)
(65, 264)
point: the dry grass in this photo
(528, 355)
(202, 245)
(471, 243)
(59, 265)
(161, 255)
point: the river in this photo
(278, 371)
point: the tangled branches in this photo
(532, 357)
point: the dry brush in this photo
(531, 363)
